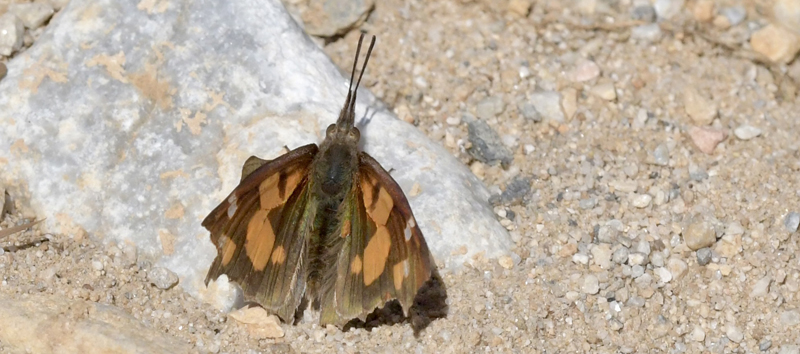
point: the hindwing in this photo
(261, 230)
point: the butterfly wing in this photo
(261, 229)
(384, 255)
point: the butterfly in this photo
(329, 226)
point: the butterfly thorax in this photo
(333, 171)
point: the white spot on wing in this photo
(232, 209)
(405, 268)
(409, 226)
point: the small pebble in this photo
(453, 120)
(765, 345)
(506, 262)
(586, 70)
(790, 318)
(587, 203)
(664, 274)
(635, 258)
(636, 270)
(703, 10)
(698, 335)
(329, 18)
(580, 258)
(11, 34)
(641, 200)
(791, 221)
(746, 132)
(33, 15)
(591, 285)
(661, 155)
(704, 256)
(677, 267)
(487, 147)
(787, 13)
(735, 14)
(706, 139)
(643, 247)
(699, 234)
(516, 190)
(701, 109)
(761, 288)
(644, 13)
(162, 278)
(548, 104)
(620, 256)
(605, 91)
(97, 265)
(529, 112)
(490, 107)
(607, 234)
(667, 9)
(778, 44)
(734, 333)
(601, 254)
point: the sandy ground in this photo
(436, 62)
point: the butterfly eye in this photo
(330, 129)
(355, 134)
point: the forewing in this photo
(260, 232)
(384, 255)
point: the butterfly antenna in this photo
(363, 67)
(347, 115)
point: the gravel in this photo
(583, 229)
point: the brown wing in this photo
(384, 255)
(260, 231)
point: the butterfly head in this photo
(344, 130)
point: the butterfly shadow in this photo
(369, 113)
(429, 304)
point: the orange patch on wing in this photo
(378, 206)
(375, 255)
(260, 239)
(228, 250)
(399, 273)
(279, 255)
(276, 189)
(355, 266)
(346, 226)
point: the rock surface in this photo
(52, 324)
(139, 121)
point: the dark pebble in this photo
(486, 144)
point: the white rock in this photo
(11, 31)
(33, 14)
(37, 324)
(761, 288)
(790, 318)
(787, 13)
(142, 137)
(663, 273)
(580, 258)
(677, 267)
(746, 132)
(667, 9)
(641, 200)
(601, 254)
(591, 285)
(586, 70)
(548, 104)
(605, 91)
(734, 333)
(701, 109)
(778, 44)
(698, 334)
(636, 258)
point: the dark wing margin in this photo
(260, 231)
(384, 256)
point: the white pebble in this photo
(591, 285)
(746, 132)
(641, 200)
